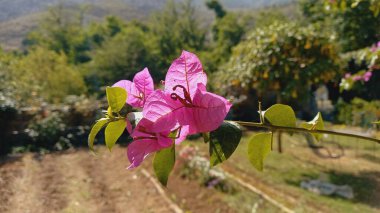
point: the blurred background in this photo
(57, 57)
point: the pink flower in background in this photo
(367, 76)
(138, 90)
(347, 75)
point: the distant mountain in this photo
(10, 9)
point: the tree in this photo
(217, 7)
(354, 21)
(284, 58)
(62, 30)
(121, 56)
(176, 28)
(227, 31)
(44, 75)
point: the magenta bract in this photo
(183, 107)
(138, 90)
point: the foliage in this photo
(48, 127)
(112, 121)
(259, 147)
(163, 163)
(223, 142)
(227, 32)
(315, 124)
(373, 5)
(363, 73)
(61, 30)
(355, 25)
(174, 29)
(7, 89)
(46, 75)
(358, 112)
(184, 107)
(123, 54)
(215, 5)
(283, 57)
(45, 132)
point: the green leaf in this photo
(163, 163)
(94, 131)
(223, 142)
(116, 97)
(377, 122)
(280, 115)
(259, 146)
(206, 137)
(109, 112)
(315, 124)
(113, 132)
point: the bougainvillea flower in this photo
(183, 107)
(146, 142)
(367, 76)
(138, 90)
(205, 112)
(185, 101)
(185, 71)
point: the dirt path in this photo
(76, 182)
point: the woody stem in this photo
(296, 129)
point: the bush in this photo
(46, 131)
(44, 75)
(280, 62)
(123, 55)
(47, 127)
(358, 112)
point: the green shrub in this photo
(358, 113)
(284, 58)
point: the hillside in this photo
(18, 17)
(16, 8)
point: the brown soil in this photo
(77, 181)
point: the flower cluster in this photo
(366, 76)
(183, 107)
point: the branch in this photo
(296, 129)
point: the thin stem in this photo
(261, 114)
(296, 129)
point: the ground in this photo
(78, 181)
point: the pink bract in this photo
(204, 113)
(184, 107)
(146, 142)
(185, 71)
(138, 90)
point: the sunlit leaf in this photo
(113, 132)
(163, 163)
(116, 98)
(223, 142)
(280, 115)
(94, 131)
(259, 146)
(377, 122)
(315, 124)
(109, 112)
